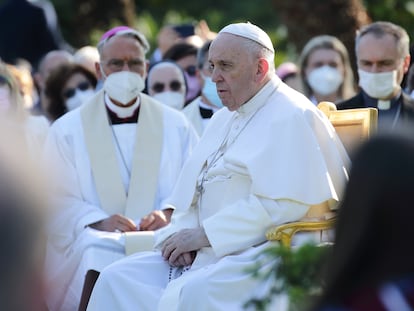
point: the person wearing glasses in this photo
(116, 159)
(166, 83)
(67, 87)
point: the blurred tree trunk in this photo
(307, 18)
(99, 14)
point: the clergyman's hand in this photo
(115, 223)
(183, 242)
(155, 220)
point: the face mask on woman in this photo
(78, 99)
(325, 80)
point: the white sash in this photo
(104, 164)
(183, 195)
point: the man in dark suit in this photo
(383, 57)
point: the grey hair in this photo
(135, 35)
(380, 29)
(258, 50)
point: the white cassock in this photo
(133, 171)
(30, 130)
(261, 165)
(37, 128)
(192, 112)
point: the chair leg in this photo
(90, 280)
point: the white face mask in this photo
(78, 99)
(123, 86)
(378, 84)
(173, 99)
(325, 80)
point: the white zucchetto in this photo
(249, 31)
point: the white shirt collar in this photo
(121, 112)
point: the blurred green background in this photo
(289, 23)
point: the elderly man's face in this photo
(233, 70)
(122, 54)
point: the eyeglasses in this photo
(158, 87)
(83, 86)
(191, 70)
(116, 64)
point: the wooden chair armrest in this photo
(284, 233)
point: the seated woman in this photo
(325, 70)
(371, 265)
(67, 87)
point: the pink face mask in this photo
(4, 98)
(193, 86)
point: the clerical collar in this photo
(261, 97)
(382, 105)
(205, 105)
(119, 115)
(389, 111)
(205, 113)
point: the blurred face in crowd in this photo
(189, 65)
(166, 83)
(165, 77)
(324, 57)
(52, 60)
(76, 90)
(324, 71)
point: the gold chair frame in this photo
(353, 127)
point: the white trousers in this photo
(141, 282)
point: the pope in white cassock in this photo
(262, 161)
(117, 158)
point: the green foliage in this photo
(151, 15)
(296, 273)
(400, 12)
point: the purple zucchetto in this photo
(122, 30)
